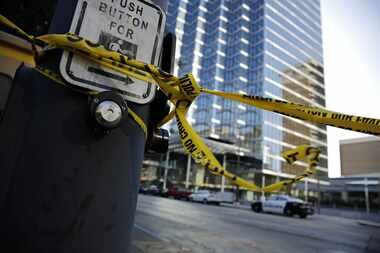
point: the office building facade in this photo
(267, 48)
(359, 157)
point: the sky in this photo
(351, 41)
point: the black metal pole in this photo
(63, 189)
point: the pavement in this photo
(373, 244)
(374, 216)
(171, 226)
(143, 241)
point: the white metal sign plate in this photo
(131, 27)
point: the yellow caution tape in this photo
(181, 92)
(308, 113)
(10, 25)
(73, 44)
(16, 53)
(200, 153)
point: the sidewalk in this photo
(143, 241)
(351, 214)
(146, 241)
(373, 244)
(369, 223)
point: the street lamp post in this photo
(318, 193)
(166, 170)
(223, 178)
(306, 190)
(366, 194)
(188, 169)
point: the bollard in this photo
(65, 187)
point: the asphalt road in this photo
(198, 228)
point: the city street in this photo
(194, 227)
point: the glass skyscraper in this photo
(268, 48)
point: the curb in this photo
(369, 223)
(241, 207)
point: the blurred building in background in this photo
(360, 193)
(359, 185)
(258, 47)
(360, 157)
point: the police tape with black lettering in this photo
(183, 91)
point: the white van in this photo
(205, 197)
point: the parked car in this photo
(284, 204)
(150, 189)
(206, 196)
(178, 193)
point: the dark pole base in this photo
(65, 189)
